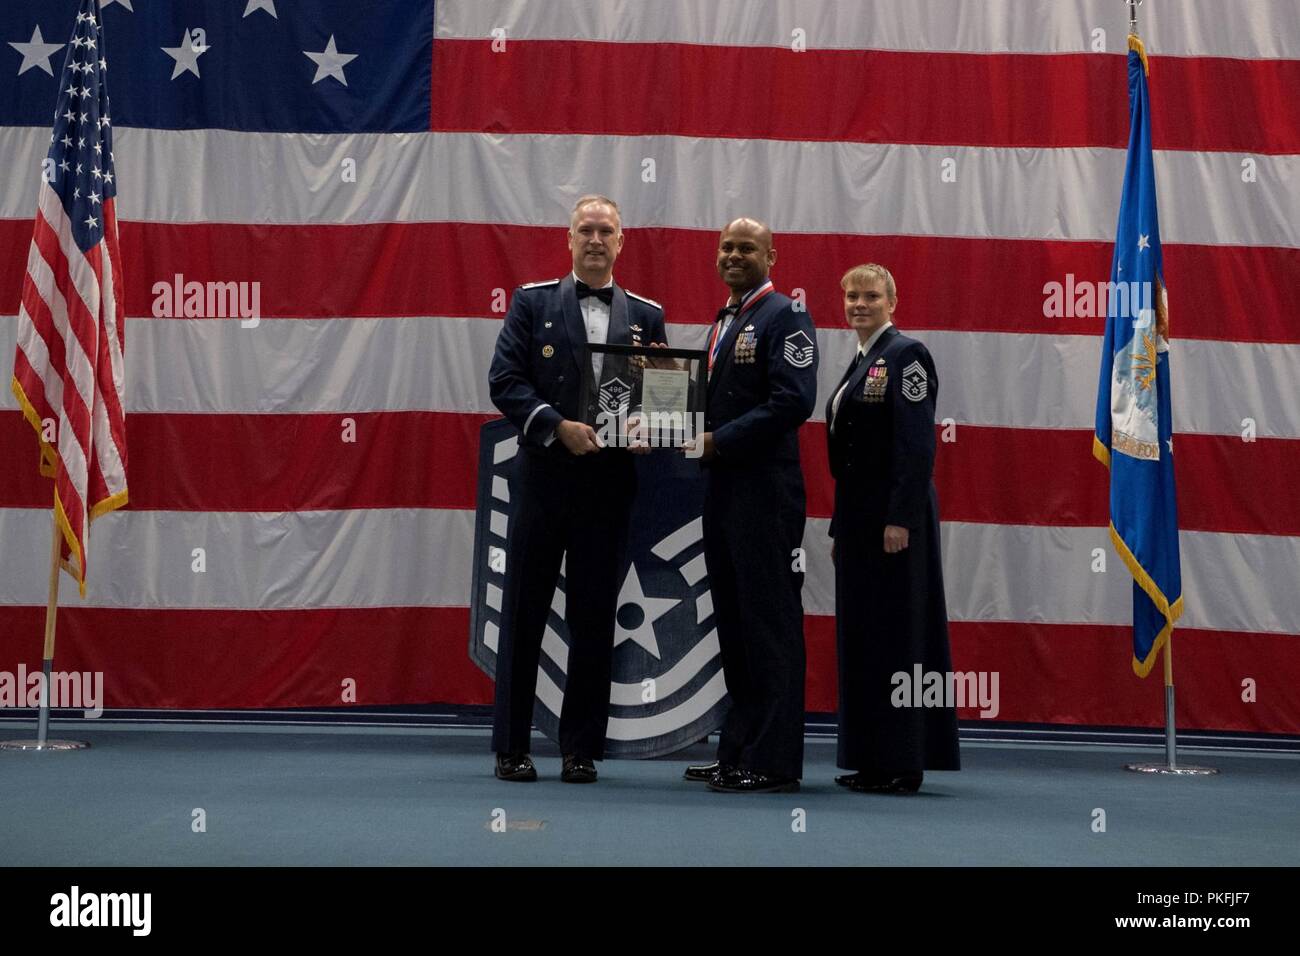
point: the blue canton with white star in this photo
(290, 66)
(79, 164)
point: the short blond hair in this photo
(868, 271)
(592, 199)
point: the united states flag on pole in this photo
(68, 366)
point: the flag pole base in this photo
(1183, 770)
(47, 745)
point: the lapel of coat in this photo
(573, 324)
(854, 381)
(619, 332)
(729, 342)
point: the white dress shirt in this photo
(595, 316)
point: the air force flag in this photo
(1135, 436)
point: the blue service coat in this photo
(890, 614)
(536, 377)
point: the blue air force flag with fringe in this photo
(1135, 435)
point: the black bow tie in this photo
(727, 312)
(605, 295)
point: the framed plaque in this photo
(644, 396)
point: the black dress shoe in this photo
(905, 783)
(706, 772)
(516, 767)
(578, 770)
(749, 781)
(848, 779)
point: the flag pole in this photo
(42, 741)
(51, 619)
(1171, 744)
(1171, 741)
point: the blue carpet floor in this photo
(273, 796)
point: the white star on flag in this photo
(186, 55)
(105, 4)
(267, 5)
(1144, 242)
(652, 608)
(330, 62)
(36, 53)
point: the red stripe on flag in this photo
(1073, 674)
(873, 96)
(1080, 674)
(430, 460)
(987, 285)
(178, 658)
(277, 462)
(1048, 477)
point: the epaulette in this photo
(641, 298)
(538, 285)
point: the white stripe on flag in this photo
(863, 188)
(1009, 380)
(1271, 28)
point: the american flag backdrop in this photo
(369, 181)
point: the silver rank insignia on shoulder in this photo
(538, 285)
(641, 298)
(916, 384)
(799, 349)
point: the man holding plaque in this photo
(573, 495)
(762, 386)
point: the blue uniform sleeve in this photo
(656, 330)
(912, 395)
(791, 389)
(509, 379)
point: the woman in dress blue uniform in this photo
(889, 600)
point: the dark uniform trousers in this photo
(579, 506)
(753, 520)
(762, 387)
(564, 504)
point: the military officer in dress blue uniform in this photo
(889, 603)
(573, 494)
(762, 387)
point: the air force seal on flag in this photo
(615, 396)
(667, 689)
(916, 384)
(799, 349)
